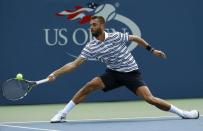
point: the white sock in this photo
(176, 110)
(68, 107)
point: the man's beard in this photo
(96, 33)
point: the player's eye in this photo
(94, 24)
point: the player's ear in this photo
(103, 25)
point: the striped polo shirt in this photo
(112, 51)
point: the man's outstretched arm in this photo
(143, 43)
(66, 68)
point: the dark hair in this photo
(100, 18)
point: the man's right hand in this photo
(51, 77)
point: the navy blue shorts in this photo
(114, 79)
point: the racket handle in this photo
(42, 81)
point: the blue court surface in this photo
(165, 123)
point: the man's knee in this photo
(94, 84)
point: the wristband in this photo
(149, 48)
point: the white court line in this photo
(88, 120)
(30, 128)
(126, 119)
(121, 119)
(19, 122)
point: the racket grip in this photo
(42, 81)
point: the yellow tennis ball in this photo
(19, 76)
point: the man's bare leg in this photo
(94, 84)
(145, 93)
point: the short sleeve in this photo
(86, 52)
(124, 37)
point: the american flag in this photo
(79, 12)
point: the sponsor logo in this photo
(81, 34)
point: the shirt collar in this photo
(106, 35)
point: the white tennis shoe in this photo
(193, 114)
(59, 117)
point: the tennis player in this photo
(122, 70)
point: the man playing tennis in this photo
(122, 69)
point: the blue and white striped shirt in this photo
(112, 51)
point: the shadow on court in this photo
(139, 124)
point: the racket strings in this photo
(15, 89)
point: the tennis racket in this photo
(14, 89)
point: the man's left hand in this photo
(159, 53)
